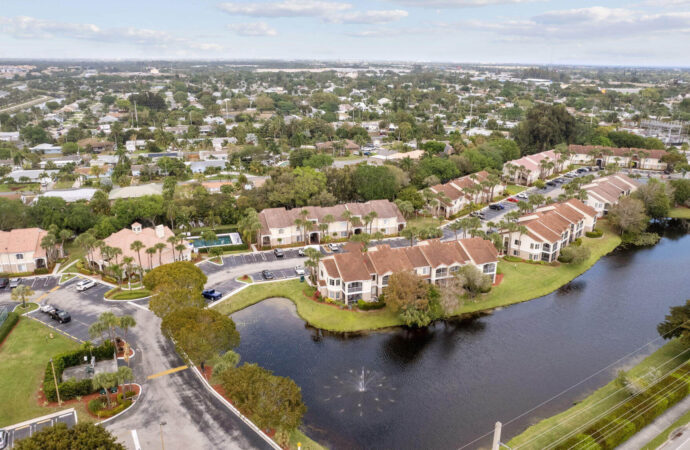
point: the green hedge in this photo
(71, 388)
(368, 306)
(595, 233)
(226, 248)
(7, 325)
(510, 258)
(41, 271)
(131, 295)
(633, 415)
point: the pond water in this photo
(444, 386)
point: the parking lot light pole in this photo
(57, 390)
(161, 427)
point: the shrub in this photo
(577, 242)
(226, 248)
(510, 258)
(595, 233)
(131, 295)
(368, 306)
(640, 239)
(7, 325)
(574, 255)
(41, 271)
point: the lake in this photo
(443, 386)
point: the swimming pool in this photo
(223, 239)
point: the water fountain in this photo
(359, 392)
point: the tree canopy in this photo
(81, 435)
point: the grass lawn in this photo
(19, 187)
(306, 443)
(29, 307)
(679, 213)
(522, 281)
(595, 404)
(63, 184)
(24, 356)
(74, 253)
(118, 294)
(423, 222)
(664, 435)
(66, 277)
(513, 189)
(317, 314)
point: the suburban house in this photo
(606, 191)
(150, 237)
(548, 229)
(356, 275)
(140, 190)
(530, 168)
(459, 193)
(635, 158)
(346, 145)
(280, 226)
(47, 149)
(21, 251)
(95, 145)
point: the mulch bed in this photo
(499, 279)
(41, 399)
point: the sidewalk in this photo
(659, 425)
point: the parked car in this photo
(513, 200)
(267, 275)
(581, 170)
(211, 294)
(4, 282)
(278, 252)
(4, 439)
(85, 284)
(299, 270)
(14, 282)
(522, 195)
(497, 207)
(60, 315)
(550, 183)
(559, 180)
(46, 308)
(334, 247)
(300, 252)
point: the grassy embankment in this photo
(521, 282)
(679, 213)
(24, 355)
(603, 399)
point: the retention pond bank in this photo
(446, 385)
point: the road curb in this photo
(141, 392)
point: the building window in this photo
(516, 253)
(489, 268)
(454, 269)
(441, 272)
(517, 242)
(384, 280)
(281, 231)
(19, 256)
(354, 287)
(425, 270)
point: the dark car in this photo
(550, 183)
(279, 253)
(4, 282)
(211, 294)
(581, 170)
(497, 207)
(267, 275)
(60, 315)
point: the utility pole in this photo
(57, 390)
(497, 437)
(161, 427)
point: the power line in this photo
(568, 389)
(593, 405)
(599, 416)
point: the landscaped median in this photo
(320, 315)
(521, 282)
(124, 294)
(612, 414)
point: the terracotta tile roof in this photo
(454, 188)
(578, 205)
(123, 240)
(351, 267)
(615, 151)
(22, 240)
(480, 250)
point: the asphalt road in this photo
(193, 417)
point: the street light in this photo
(161, 428)
(57, 390)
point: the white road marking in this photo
(135, 438)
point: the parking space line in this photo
(21, 428)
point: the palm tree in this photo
(137, 246)
(106, 323)
(63, 236)
(347, 217)
(172, 240)
(20, 293)
(180, 248)
(159, 248)
(151, 251)
(105, 381)
(127, 261)
(116, 252)
(313, 262)
(455, 227)
(48, 244)
(124, 374)
(125, 323)
(369, 220)
(116, 271)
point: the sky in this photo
(614, 32)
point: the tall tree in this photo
(59, 437)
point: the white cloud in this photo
(331, 12)
(369, 17)
(253, 29)
(459, 3)
(589, 23)
(286, 8)
(23, 27)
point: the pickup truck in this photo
(211, 294)
(60, 315)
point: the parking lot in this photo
(71, 300)
(27, 429)
(39, 285)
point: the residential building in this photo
(21, 251)
(278, 225)
(604, 192)
(9, 136)
(347, 145)
(356, 275)
(548, 230)
(95, 145)
(71, 195)
(47, 149)
(530, 168)
(140, 190)
(459, 193)
(124, 238)
(32, 176)
(635, 158)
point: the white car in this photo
(334, 247)
(85, 284)
(522, 195)
(299, 270)
(46, 308)
(14, 282)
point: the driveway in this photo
(193, 417)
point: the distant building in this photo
(21, 251)
(635, 158)
(604, 192)
(141, 190)
(530, 168)
(9, 136)
(457, 194)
